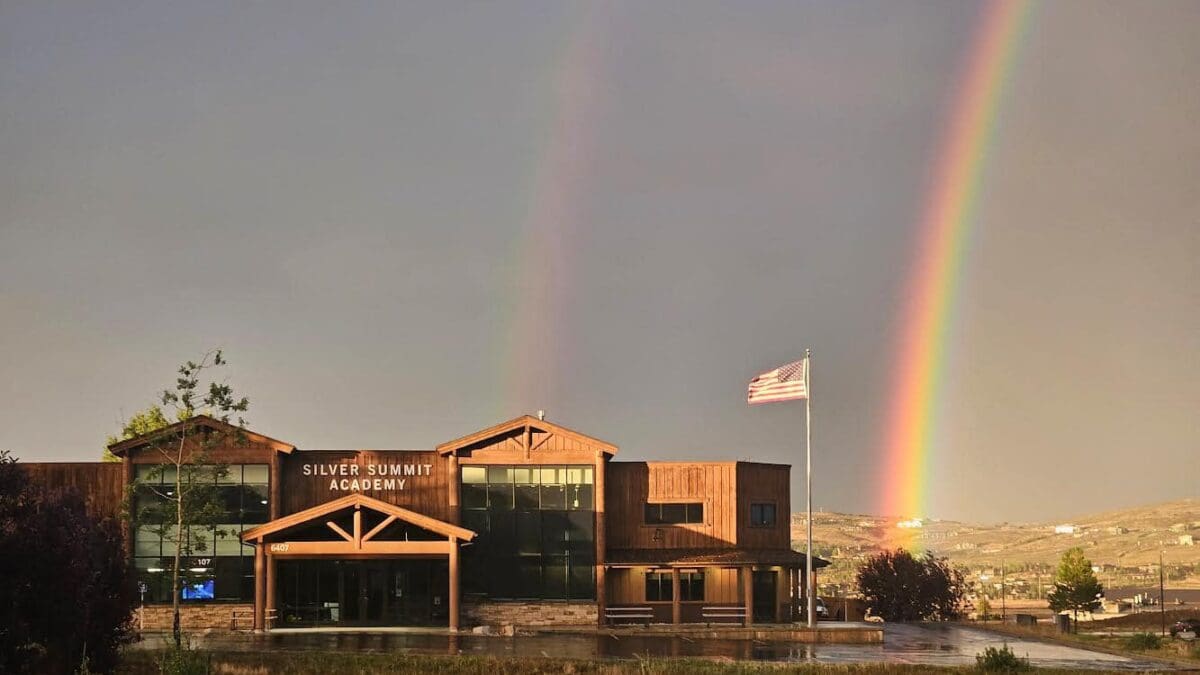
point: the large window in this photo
(762, 515)
(220, 567)
(674, 514)
(691, 585)
(659, 586)
(536, 527)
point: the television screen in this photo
(200, 590)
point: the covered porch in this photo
(372, 556)
(709, 586)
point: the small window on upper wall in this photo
(674, 513)
(762, 515)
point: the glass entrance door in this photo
(372, 589)
(397, 592)
(764, 596)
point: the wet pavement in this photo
(935, 645)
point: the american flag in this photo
(785, 383)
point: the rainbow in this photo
(932, 289)
(544, 250)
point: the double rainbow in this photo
(932, 289)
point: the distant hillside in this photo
(1123, 544)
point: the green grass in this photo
(145, 662)
(1135, 646)
(1143, 641)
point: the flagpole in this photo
(812, 603)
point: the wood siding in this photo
(100, 483)
(227, 454)
(769, 484)
(631, 485)
(426, 493)
(627, 586)
(544, 448)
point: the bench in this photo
(710, 614)
(642, 614)
(246, 618)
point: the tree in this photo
(984, 609)
(1075, 585)
(901, 587)
(178, 499)
(67, 596)
(143, 422)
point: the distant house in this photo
(914, 524)
(1118, 530)
(1186, 540)
(1064, 529)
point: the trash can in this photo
(1062, 622)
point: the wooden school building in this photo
(525, 522)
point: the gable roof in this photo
(300, 517)
(522, 422)
(121, 447)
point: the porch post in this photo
(675, 608)
(260, 589)
(795, 583)
(452, 488)
(748, 592)
(270, 590)
(453, 584)
(275, 479)
(600, 539)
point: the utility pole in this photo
(1003, 599)
(1162, 608)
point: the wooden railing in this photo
(713, 614)
(245, 618)
(639, 614)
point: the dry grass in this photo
(1141, 620)
(1174, 651)
(313, 663)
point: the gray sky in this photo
(407, 223)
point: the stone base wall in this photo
(153, 618)
(528, 613)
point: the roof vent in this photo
(541, 415)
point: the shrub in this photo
(1001, 660)
(1143, 641)
(902, 587)
(67, 593)
(184, 660)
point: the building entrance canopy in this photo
(353, 527)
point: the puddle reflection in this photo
(912, 644)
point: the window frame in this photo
(774, 515)
(688, 580)
(237, 492)
(661, 581)
(687, 510)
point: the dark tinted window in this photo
(536, 528)
(217, 556)
(762, 515)
(674, 514)
(691, 586)
(658, 587)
